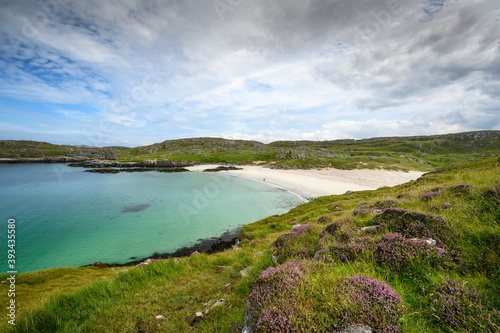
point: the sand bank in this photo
(318, 182)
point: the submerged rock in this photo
(136, 208)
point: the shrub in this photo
(340, 241)
(272, 305)
(458, 307)
(429, 195)
(298, 243)
(415, 224)
(399, 253)
(369, 302)
(282, 301)
(384, 204)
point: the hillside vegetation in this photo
(402, 153)
(23, 149)
(419, 257)
(398, 153)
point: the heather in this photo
(294, 298)
(398, 264)
(402, 255)
(460, 307)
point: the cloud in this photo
(328, 69)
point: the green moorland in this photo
(421, 153)
(25, 149)
(430, 263)
(398, 153)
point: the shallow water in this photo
(68, 217)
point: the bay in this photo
(67, 217)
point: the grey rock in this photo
(371, 228)
(244, 272)
(429, 241)
(349, 192)
(195, 253)
(218, 303)
(274, 259)
(358, 329)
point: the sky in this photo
(123, 72)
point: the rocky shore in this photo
(144, 164)
(111, 170)
(49, 159)
(227, 240)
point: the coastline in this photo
(227, 240)
(313, 183)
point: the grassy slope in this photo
(34, 149)
(128, 301)
(397, 153)
(401, 153)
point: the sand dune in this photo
(317, 182)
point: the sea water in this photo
(65, 216)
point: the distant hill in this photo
(416, 152)
(399, 153)
(23, 149)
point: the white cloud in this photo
(263, 70)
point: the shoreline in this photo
(207, 245)
(312, 183)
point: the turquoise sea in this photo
(67, 217)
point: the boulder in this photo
(358, 329)
(99, 264)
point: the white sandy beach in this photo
(318, 182)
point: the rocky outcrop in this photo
(48, 159)
(146, 164)
(222, 168)
(111, 170)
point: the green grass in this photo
(422, 153)
(93, 300)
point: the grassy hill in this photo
(403, 153)
(397, 153)
(430, 262)
(24, 149)
(400, 153)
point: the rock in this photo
(295, 226)
(429, 241)
(220, 302)
(244, 272)
(100, 265)
(358, 329)
(196, 318)
(373, 158)
(274, 259)
(145, 262)
(349, 192)
(195, 253)
(249, 325)
(160, 317)
(371, 228)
